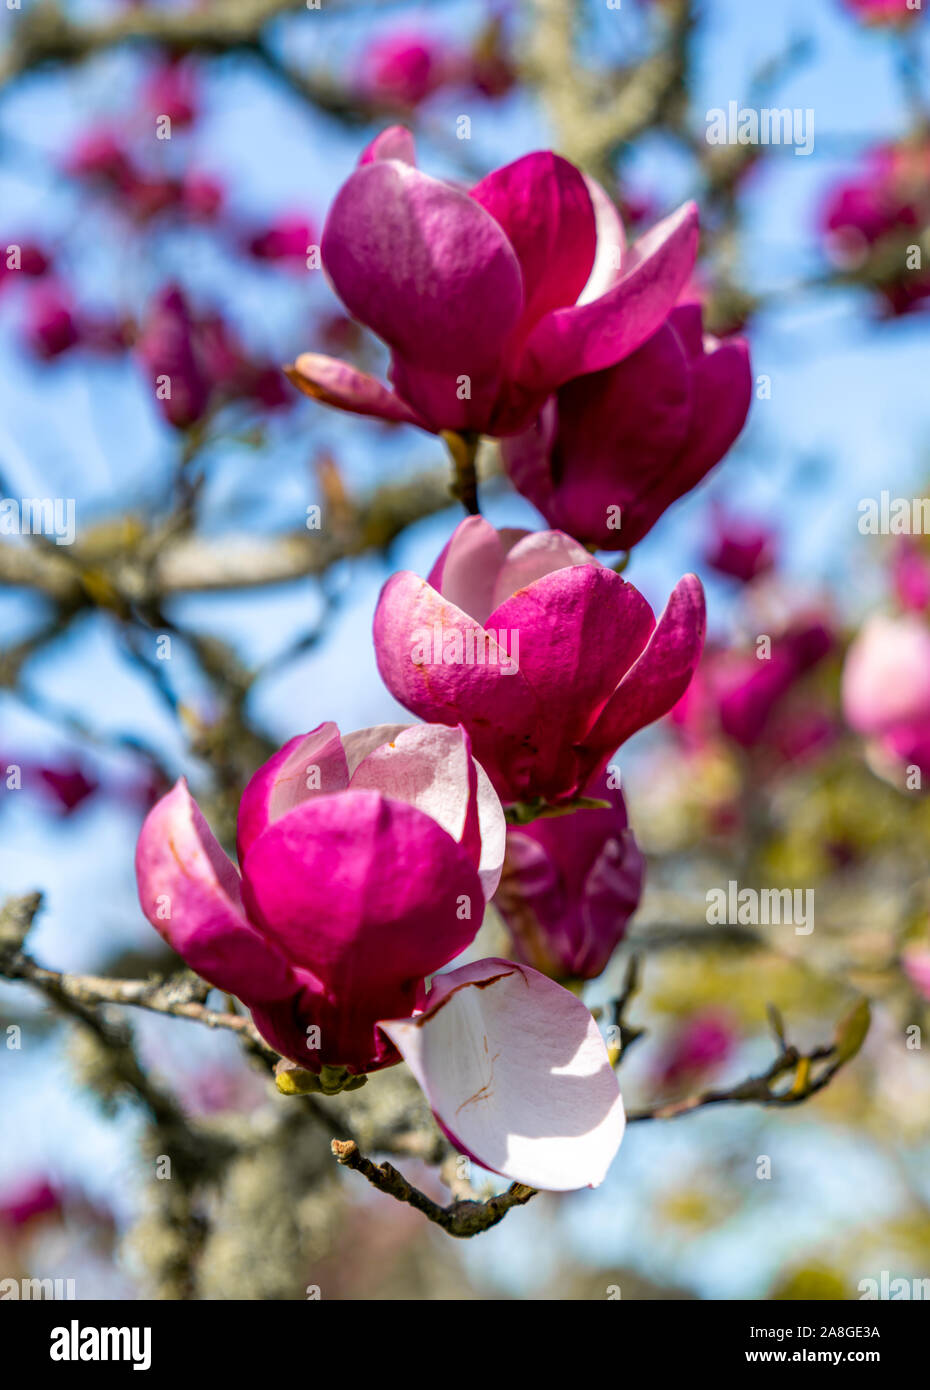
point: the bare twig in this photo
(809, 1072)
(461, 1218)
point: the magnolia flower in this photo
(68, 785)
(611, 451)
(166, 351)
(401, 70)
(51, 322)
(201, 196)
(570, 885)
(697, 1045)
(489, 299)
(365, 865)
(739, 548)
(171, 90)
(286, 240)
(197, 361)
(100, 155)
(748, 690)
(916, 962)
(24, 258)
(34, 1198)
(549, 659)
(910, 574)
(886, 687)
(870, 219)
(742, 694)
(883, 11)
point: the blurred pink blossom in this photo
(696, 1046)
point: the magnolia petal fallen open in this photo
(516, 1073)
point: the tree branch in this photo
(461, 1219)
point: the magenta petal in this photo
(620, 433)
(414, 630)
(589, 337)
(543, 204)
(190, 893)
(466, 571)
(517, 1075)
(394, 143)
(661, 674)
(534, 556)
(430, 766)
(527, 458)
(338, 384)
(886, 675)
(570, 886)
(580, 629)
(309, 765)
(316, 1027)
(687, 319)
(363, 890)
(722, 381)
(361, 742)
(430, 271)
(611, 244)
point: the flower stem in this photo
(463, 449)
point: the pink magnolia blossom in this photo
(883, 11)
(916, 962)
(570, 885)
(51, 323)
(740, 548)
(166, 352)
(201, 195)
(100, 156)
(886, 687)
(750, 690)
(401, 70)
(171, 90)
(299, 945)
(697, 1045)
(232, 372)
(489, 299)
(365, 865)
(751, 699)
(33, 1199)
(611, 451)
(549, 659)
(203, 361)
(286, 240)
(881, 206)
(26, 258)
(910, 573)
(68, 785)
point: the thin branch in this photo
(461, 1219)
(172, 996)
(809, 1072)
